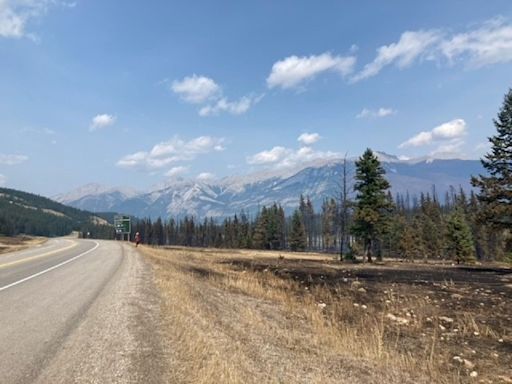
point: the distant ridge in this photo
(27, 213)
(319, 179)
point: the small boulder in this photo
(446, 319)
(397, 319)
(469, 364)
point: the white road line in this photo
(49, 269)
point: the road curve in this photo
(79, 311)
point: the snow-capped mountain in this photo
(96, 197)
(228, 196)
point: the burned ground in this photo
(307, 318)
(467, 308)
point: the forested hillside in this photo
(26, 213)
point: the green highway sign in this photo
(122, 224)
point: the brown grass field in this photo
(17, 243)
(274, 317)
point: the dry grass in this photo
(18, 243)
(233, 324)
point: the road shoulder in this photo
(117, 339)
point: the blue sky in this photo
(138, 93)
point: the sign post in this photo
(123, 226)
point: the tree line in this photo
(374, 224)
(412, 229)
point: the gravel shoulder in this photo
(117, 339)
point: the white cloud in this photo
(3, 179)
(102, 121)
(176, 171)
(171, 151)
(381, 112)
(411, 46)
(489, 44)
(281, 157)
(365, 112)
(16, 14)
(421, 139)
(233, 107)
(452, 130)
(273, 155)
(196, 89)
(294, 71)
(205, 176)
(6, 159)
(309, 138)
(12, 24)
(201, 90)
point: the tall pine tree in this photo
(496, 188)
(298, 232)
(372, 203)
(460, 241)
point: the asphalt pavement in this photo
(79, 311)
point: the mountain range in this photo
(26, 213)
(225, 197)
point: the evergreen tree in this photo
(148, 232)
(272, 235)
(298, 233)
(496, 188)
(431, 227)
(245, 231)
(371, 200)
(158, 232)
(410, 243)
(260, 230)
(171, 232)
(385, 229)
(460, 241)
(280, 218)
(307, 212)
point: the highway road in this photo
(79, 311)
